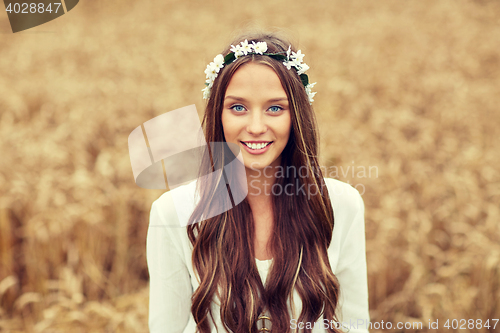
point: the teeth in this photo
(256, 145)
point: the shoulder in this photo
(175, 206)
(168, 221)
(345, 199)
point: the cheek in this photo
(227, 126)
(287, 129)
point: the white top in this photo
(172, 279)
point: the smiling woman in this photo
(287, 260)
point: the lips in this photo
(256, 145)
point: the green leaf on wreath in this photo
(229, 58)
(304, 79)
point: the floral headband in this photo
(292, 59)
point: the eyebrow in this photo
(278, 99)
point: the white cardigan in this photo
(172, 279)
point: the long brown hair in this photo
(223, 246)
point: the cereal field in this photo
(407, 89)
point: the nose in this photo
(256, 124)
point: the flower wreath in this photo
(292, 59)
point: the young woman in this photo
(290, 257)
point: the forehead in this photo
(255, 80)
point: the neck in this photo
(260, 200)
(260, 183)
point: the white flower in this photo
(238, 52)
(214, 67)
(252, 47)
(211, 71)
(311, 97)
(219, 62)
(260, 47)
(310, 94)
(303, 68)
(210, 83)
(296, 64)
(245, 47)
(288, 64)
(288, 52)
(310, 85)
(206, 92)
(298, 57)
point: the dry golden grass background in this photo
(409, 87)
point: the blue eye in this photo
(238, 108)
(275, 109)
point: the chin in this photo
(255, 166)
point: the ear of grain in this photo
(8, 281)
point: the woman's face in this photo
(256, 115)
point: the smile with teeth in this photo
(257, 146)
